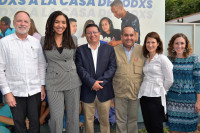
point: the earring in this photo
(184, 50)
(173, 51)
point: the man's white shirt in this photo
(22, 66)
(94, 55)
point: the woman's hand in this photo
(197, 106)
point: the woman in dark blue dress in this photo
(183, 98)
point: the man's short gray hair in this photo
(20, 12)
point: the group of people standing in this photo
(95, 73)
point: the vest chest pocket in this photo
(138, 68)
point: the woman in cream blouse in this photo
(158, 77)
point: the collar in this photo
(91, 47)
(130, 49)
(155, 56)
(16, 37)
(126, 16)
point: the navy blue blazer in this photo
(106, 67)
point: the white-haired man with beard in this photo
(22, 74)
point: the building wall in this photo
(191, 30)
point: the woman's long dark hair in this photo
(49, 42)
(110, 23)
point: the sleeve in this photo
(167, 70)
(85, 77)
(42, 65)
(136, 24)
(117, 34)
(42, 44)
(37, 36)
(75, 39)
(13, 30)
(42, 41)
(109, 73)
(5, 111)
(196, 74)
(3, 82)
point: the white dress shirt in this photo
(94, 55)
(158, 77)
(22, 66)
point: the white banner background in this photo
(151, 13)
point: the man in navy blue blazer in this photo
(96, 66)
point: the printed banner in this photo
(151, 13)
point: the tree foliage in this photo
(180, 8)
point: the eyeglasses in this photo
(90, 33)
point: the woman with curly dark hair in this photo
(183, 97)
(108, 32)
(62, 81)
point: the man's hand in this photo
(43, 93)
(136, 36)
(10, 99)
(97, 85)
(115, 43)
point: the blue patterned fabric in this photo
(181, 97)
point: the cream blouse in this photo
(158, 77)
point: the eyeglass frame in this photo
(93, 32)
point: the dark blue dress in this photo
(182, 95)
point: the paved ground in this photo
(45, 128)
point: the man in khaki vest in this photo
(126, 82)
